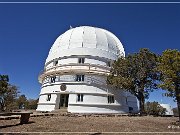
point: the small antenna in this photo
(70, 27)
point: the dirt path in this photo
(92, 124)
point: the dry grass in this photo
(92, 124)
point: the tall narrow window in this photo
(108, 63)
(79, 78)
(126, 100)
(81, 60)
(55, 62)
(110, 99)
(48, 97)
(80, 97)
(130, 109)
(53, 79)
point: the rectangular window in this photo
(126, 100)
(79, 78)
(80, 97)
(109, 64)
(130, 109)
(53, 79)
(56, 63)
(81, 60)
(111, 99)
(48, 97)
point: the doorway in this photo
(63, 101)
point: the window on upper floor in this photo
(109, 64)
(111, 99)
(53, 79)
(55, 63)
(79, 78)
(80, 97)
(81, 60)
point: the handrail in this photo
(78, 64)
(74, 67)
(89, 80)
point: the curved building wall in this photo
(76, 70)
(93, 97)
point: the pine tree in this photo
(135, 73)
(169, 68)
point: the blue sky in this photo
(27, 31)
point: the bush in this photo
(154, 108)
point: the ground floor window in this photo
(130, 109)
(80, 97)
(110, 99)
(81, 60)
(48, 97)
(126, 100)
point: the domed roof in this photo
(86, 40)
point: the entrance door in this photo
(63, 101)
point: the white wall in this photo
(75, 60)
(94, 98)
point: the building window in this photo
(79, 78)
(109, 64)
(110, 99)
(56, 63)
(130, 109)
(48, 97)
(53, 79)
(80, 97)
(126, 100)
(81, 60)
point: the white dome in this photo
(86, 40)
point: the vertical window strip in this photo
(80, 97)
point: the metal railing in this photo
(75, 68)
(88, 80)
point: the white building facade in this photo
(76, 70)
(169, 110)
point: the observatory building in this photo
(76, 70)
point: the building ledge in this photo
(95, 104)
(69, 92)
(74, 68)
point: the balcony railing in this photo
(74, 68)
(88, 80)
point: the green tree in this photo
(22, 102)
(8, 94)
(169, 68)
(154, 108)
(10, 97)
(175, 111)
(4, 79)
(135, 73)
(3, 88)
(32, 103)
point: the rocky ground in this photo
(92, 125)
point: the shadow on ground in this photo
(16, 125)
